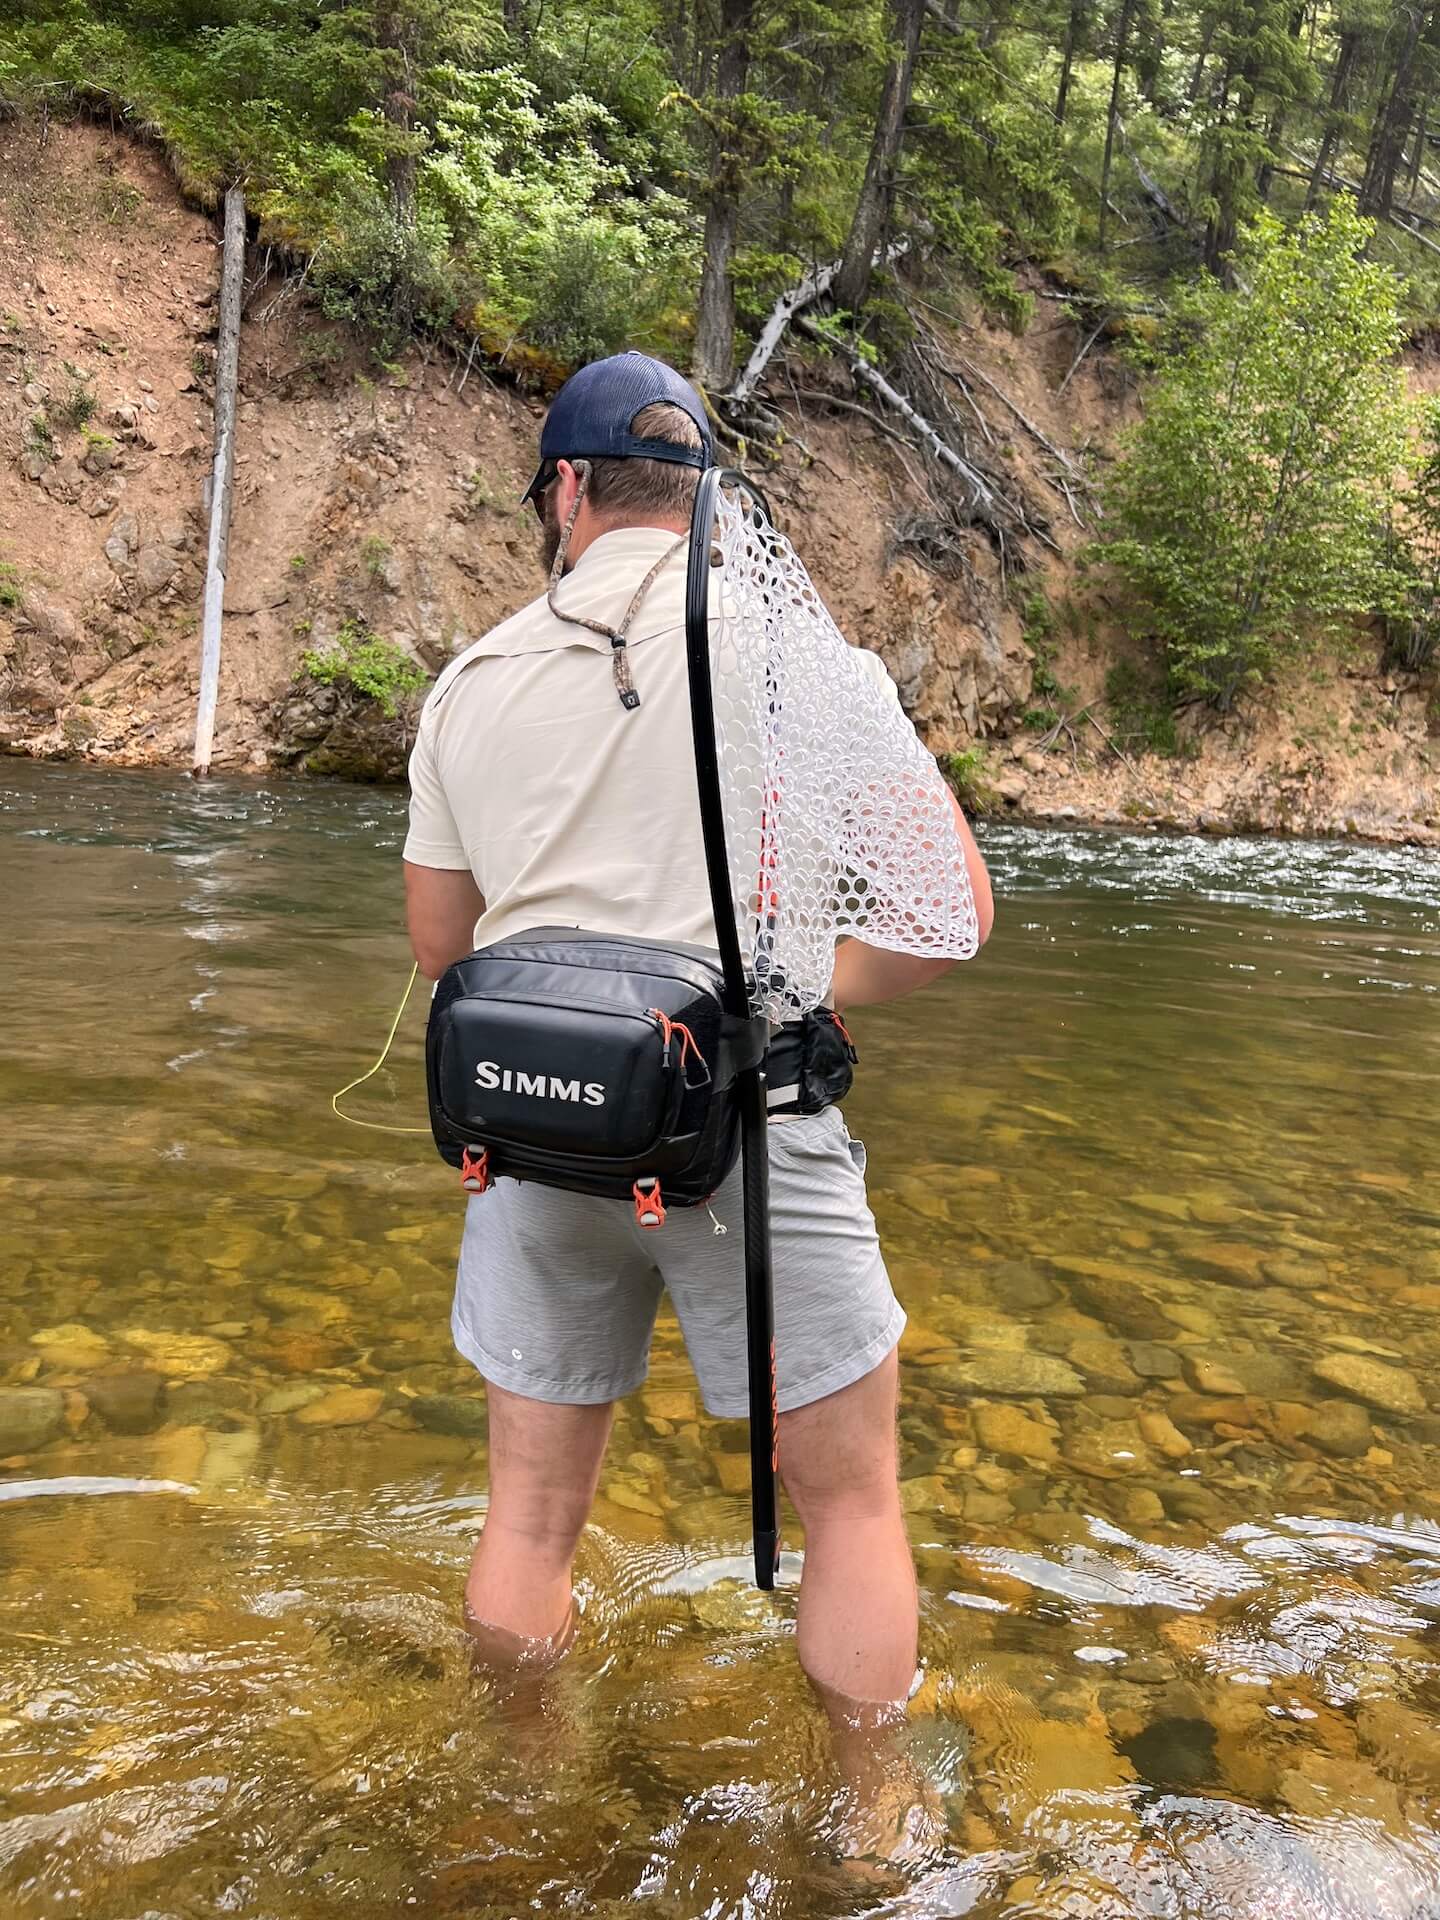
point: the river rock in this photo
(1339, 1428)
(300, 1393)
(292, 1350)
(1158, 1430)
(1021, 1374)
(460, 1414)
(179, 1356)
(341, 1407)
(72, 1346)
(1143, 1507)
(1153, 1361)
(206, 1403)
(126, 1402)
(1017, 1286)
(1210, 1375)
(1121, 1305)
(1105, 1365)
(29, 1416)
(1009, 1431)
(1391, 1389)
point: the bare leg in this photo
(859, 1615)
(544, 1467)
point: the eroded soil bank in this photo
(381, 500)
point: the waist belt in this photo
(809, 1064)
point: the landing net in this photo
(837, 820)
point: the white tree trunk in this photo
(222, 476)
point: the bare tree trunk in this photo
(877, 193)
(1275, 131)
(1122, 37)
(394, 35)
(1394, 120)
(1072, 35)
(222, 476)
(1192, 92)
(517, 23)
(1339, 93)
(714, 365)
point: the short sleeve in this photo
(434, 838)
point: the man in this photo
(539, 797)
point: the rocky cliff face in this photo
(379, 501)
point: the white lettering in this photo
(491, 1075)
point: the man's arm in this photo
(441, 908)
(864, 975)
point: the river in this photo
(1157, 1177)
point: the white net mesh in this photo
(837, 820)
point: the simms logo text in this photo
(489, 1073)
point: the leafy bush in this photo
(1412, 615)
(1248, 508)
(968, 773)
(375, 668)
(1140, 709)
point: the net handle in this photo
(750, 1088)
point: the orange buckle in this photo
(475, 1170)
(649, 1205)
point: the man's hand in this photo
(864, 975)
(442, 905)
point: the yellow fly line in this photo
(379, 1126)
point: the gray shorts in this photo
(557, 1292)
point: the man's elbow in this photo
(432, 954)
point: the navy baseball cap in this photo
(590, 417)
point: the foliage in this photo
(77, 405)
(377, 669)
(1412, 619)
(9, 586)
(1140, 709)
(1247, 511)
(969, 774)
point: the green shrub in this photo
(9, 586)
(374, 552)
(76, 406)
(1247, 512)
(375, 668)
(1411, 610)
(968, 773)
(1140, 709)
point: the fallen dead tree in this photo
(222, 477)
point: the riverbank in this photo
(378, 501)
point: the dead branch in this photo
(805, 293)
(1075, 363)
(1041, 439)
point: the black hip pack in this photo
(594, 1062)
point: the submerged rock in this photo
(179, 1356)
(29, 1416)
(1006, 1430)
(1024, 1375)
(1339, 1428)
(341, 1407)
(1391, 1389)
(460, 1414)
(126, 1402)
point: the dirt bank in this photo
(380, 500)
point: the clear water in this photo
(1164, 1153)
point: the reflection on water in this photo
(1158, 1182)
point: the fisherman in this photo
(539, 798)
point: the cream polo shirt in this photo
(567, 809)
